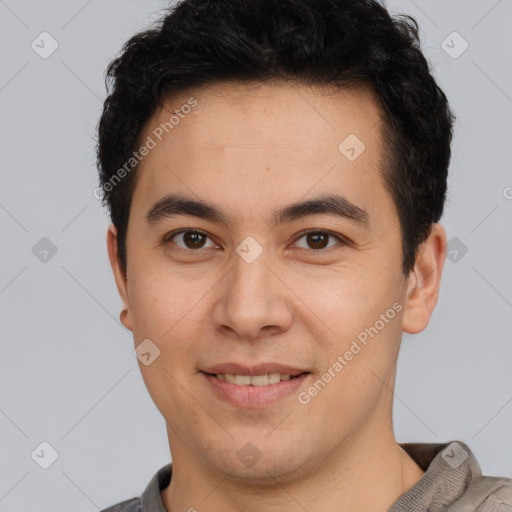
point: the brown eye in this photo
(189, 239)
(317, 240)
(193, 240)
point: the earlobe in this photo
(424, 281)
(119, 276)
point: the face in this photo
(253, 283)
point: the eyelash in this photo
(341, 240)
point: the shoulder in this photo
(496, 493)
(132, 505)
(453, 481)
(150, 499)
(483, 493)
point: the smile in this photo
(254, 391)
(255, 380)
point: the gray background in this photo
(67, 371)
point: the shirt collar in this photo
(449, 469)
(151, 499)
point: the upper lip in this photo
(259, 369)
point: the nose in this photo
(253, 301)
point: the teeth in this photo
(255, 380)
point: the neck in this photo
(343, 482)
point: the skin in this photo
(251, 149)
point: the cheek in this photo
(359, 318)
(170, 313)
(157, 303)
(347, 301)
(163, 312)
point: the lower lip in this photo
(253, 396)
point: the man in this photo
(275, 173)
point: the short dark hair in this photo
(310, 42)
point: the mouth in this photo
(266, 379)
(254, 388)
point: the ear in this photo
(119, 275)
(424, 281)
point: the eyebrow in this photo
(331, 204)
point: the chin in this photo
(260, 468)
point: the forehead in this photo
(264, 141)
(267, 112)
